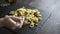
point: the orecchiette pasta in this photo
(33, 16)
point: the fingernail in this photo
(17, 24)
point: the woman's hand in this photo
(13, 22)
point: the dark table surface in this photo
(52, 25)
(51, 11)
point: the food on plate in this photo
(32, 16)
(32, 24)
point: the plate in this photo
(25, 29)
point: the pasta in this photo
(33, 16)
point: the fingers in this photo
(11, 23)
(17, 19)
(14, 24)
(14, 20)
(21, 21)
